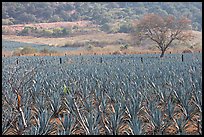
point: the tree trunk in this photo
(162, 54)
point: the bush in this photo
(16, 52)
(24, 50)
(114, 29)
(125, 28)
(5, 31)
(75, 27)
(121, 41)
(61, 31)
(66, 31)
(124, 47)
(187, 51)
(105, 27)
(7, 22)
(28, 50)
(46, 32)
(26, 31)
(76, 44)
(45, 50)
(89, 47)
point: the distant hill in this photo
(97, 12)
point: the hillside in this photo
(94, 27)
(96, 12)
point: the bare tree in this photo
(163, 30)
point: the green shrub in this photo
(76, 44)
(115, 29)
(124, 47)
(66, 31)
(7, 21)
(106, 27)
(16, 52)
(5, 31)
(45, 50)
(89, 47)
(28, 50)
(24, 50)
(125, 28)
(26, 31)
(57, 32)
(75, 28)
(47, 32)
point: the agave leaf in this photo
(65, 88)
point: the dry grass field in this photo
(103, 43)
(101, 37)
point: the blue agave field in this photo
(109, 94)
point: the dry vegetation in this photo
(20, 27)
(101, 37)
(102, 43)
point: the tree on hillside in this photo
(163, 30)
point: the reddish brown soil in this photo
(20, 27)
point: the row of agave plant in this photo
(113, 98)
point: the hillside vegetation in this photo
(101, 13)
(98, 28)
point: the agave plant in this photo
(7, 120)
(136, 126)
(180, 125)
(42, 97)
(55, 103)
(68, 123)
(43, 126)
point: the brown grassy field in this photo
(110, 42)
(20, 27)
(100, 37)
